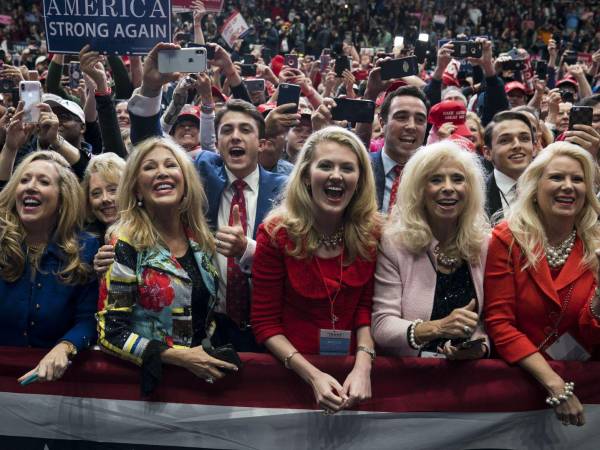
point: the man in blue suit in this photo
(240, 193)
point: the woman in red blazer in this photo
(313, 268)
(542, 271)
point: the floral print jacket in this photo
(147, 296)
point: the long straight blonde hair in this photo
(408, 222)
(524, 219)
(65, 233)
(134, 221)
(295, 214)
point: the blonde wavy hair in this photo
(361, 219)
(408, 222)
(134, 221)
(524, 219)
(66, 231)
(110, 167)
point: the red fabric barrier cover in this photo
(399, 384)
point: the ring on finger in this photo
(217, 243)
(467, 329)
(210, 380)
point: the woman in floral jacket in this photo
(157, 298)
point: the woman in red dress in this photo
(542, 272)
(313, 267)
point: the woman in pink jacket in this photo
(429, 277)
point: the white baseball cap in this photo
(70, 106)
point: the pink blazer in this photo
(404, 291)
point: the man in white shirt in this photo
(509, 145)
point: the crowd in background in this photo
(182, 218)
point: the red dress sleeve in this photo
(268, 282)
(501, 298)
(364, 308)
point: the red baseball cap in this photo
(391, 88)
(515, 85)
(450, 111)
(449, 79)
(218, 94)
(265, 108)
(189, 112)
(568, 79)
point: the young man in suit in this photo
(509, 145)
(403, 118)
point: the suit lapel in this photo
(266, 196)
(573, 269)
(379, 173)
(494, 203)
(214, 192)
(542, 277)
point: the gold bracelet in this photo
(287, 359)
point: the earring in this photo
(140, 203)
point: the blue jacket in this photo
(214, 178)
(42, 311)
(379, 174)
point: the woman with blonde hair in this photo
(100, 182)
(313, 267)
(438, 231)
(158, 297)
(542, 300)
(47, 290)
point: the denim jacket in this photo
(39, 310)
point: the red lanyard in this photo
(334, 318)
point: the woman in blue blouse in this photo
(47, 289)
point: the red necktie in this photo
(238, 293)
(398, 171)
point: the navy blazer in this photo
(214, 178)
(41, 311)
(493, 202)
(379, 173)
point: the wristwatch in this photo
(368, 350)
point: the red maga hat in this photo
(450, 111)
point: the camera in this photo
(7, 85)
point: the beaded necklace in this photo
(557, 254)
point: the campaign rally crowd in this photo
(180, 218)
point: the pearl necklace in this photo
(557, 255)
(445, 260)
(331, 241)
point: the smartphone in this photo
(467, 49)
(291, 61)
(210, 50)
(30, 93)
(185, 60)
(570, 57)
(324, 62)
(398, 68)
(248, 70)
(471, 344)
(514, 64)
(353, 110)
(326, 51)
(256, 85)
(541, 69)
(580, 115)
(249, 58)
(341, 63)
(288, 93)
(74, 74)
